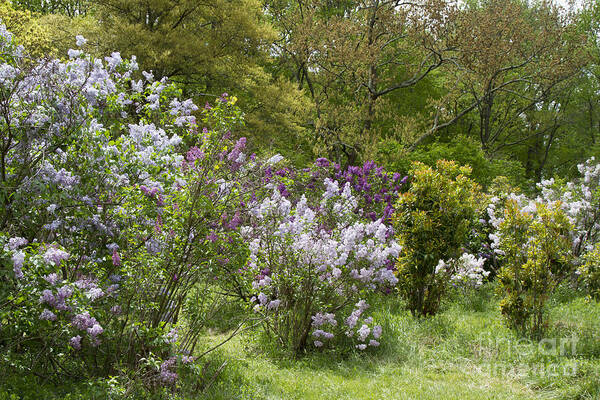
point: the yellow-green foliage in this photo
(537, 256)
(27, 29)
(589, 271)
(432, 222)
(62, 30)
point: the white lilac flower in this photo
(114, 60)
(273, 305)
(262, 299)
(80, 40)
(274, 160)
(94, 293)
(74, 53)
(363, 332)
(440, 267)
(148, 76)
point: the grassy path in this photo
(464, 353)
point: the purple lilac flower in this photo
(85, 283)
(262, 298)
(112, 289)
(235, 221)
(283, 190)
(48, 298)
(52, 278)
(187, 359)
(377, 331)
(116, 259)
(194, 154)
(64, 292)
(166, 375)
(172, 336)
(75, 342)
(151, 192)
(239, 146)
(55, 256)
(18, 258)
(94, 331)
(84, 321)
(47, 315)
(322, 162)
(212, 236)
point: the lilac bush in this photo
(313, 265)
(579, 200)
(544, 240)
(110, 188)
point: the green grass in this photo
(465, 352)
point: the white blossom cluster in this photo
(466, 271)
(579, 199)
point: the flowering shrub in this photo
(536, 251)
(568, 221)
(312, 265)
(589, 271)
(580, 200)
(432, 221)
(113, 204)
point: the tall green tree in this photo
(510, 59)
(353, 55)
